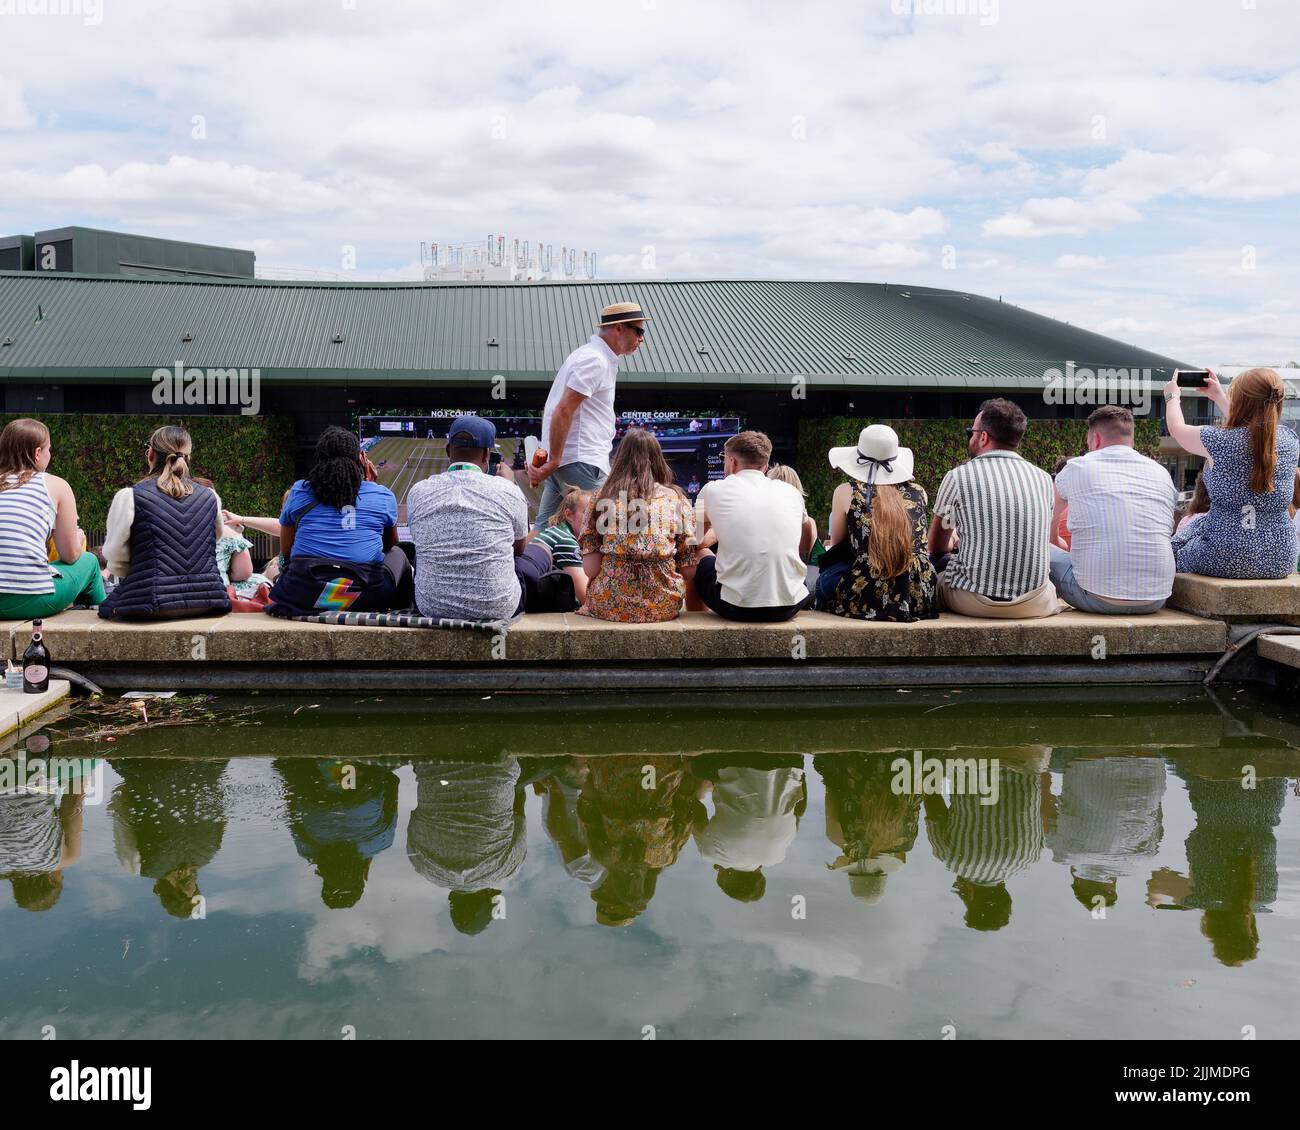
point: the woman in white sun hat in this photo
(877, 567)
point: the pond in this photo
(977, 865)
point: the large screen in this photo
(406, 449)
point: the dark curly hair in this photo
(337, 476)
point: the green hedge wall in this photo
(250, 459)
(938, 446)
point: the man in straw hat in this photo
(578, 421)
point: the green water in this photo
(686, 866)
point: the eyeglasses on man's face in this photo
(971, 431)
(638, 330)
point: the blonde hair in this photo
(1255, 402)
(171, 447)
(889, 538)
(569, 503)
(783, 474)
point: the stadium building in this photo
(769, 352)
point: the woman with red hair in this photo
(1247, 533)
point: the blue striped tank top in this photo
(26, 521)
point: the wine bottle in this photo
(36, 663)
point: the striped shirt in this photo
(988, 843)
(1121, 518)
(1001, 507)
(563, 545)
(26, 522)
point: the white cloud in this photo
(1080, 262)
(1253, 174)
(818, 141)
(1126, 329)
(1060, 215)
(14, 114)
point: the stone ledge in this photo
(1239, 602)
(1280, 649)
(81, 637)
(18, 708)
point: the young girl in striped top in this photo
(33, 506)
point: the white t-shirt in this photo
(464, 524)
(592, 370)
(759, 522)
(753, 821)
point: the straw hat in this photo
(622, 312)
(877, 458)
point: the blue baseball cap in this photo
(472, 431)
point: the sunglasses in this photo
(971, 431)
(638, 330)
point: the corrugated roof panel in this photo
(866, 333)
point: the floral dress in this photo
(909, 596)
(227, 547)
(645, 547)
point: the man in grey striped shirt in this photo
(991, 533)
(1120, 517)
(984, 845)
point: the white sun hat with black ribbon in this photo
(877, 460)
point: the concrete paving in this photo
(1238, 602)
(18, 708)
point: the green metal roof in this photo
(707, 332)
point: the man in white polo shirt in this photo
(1120, 516)
(757, 574)
(578, 420)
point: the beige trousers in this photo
(1036, 603)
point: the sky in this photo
(1129, 167)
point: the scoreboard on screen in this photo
(691, 444)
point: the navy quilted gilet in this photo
(173, 557)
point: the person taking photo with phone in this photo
(1251, 460)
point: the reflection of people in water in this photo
(168, 821)
(873, 826)
(467, 833)
(1231, 862)
(559, 785)
(1108, 820)
(341, 815)
(40, 835)
(756, 810)
(637, 812)
(984, 845)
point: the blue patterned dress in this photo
(1244, 535)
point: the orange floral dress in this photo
(646, 544)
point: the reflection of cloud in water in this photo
(678, 964)
(695, 962)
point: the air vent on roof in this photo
(7, 341)
(187, 336)
(702, 350)
(905, 294)
(338, 339)
(972, 360)
(493, 341)
(849, 357)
